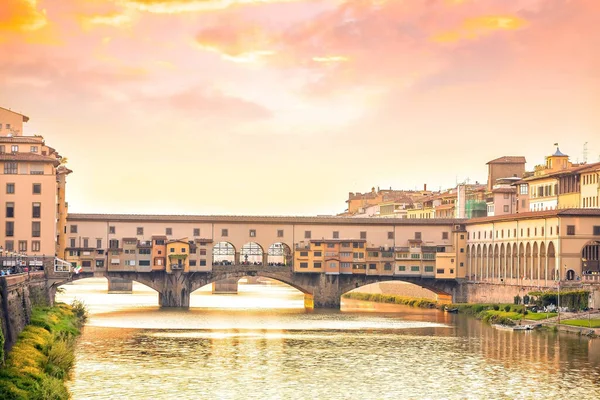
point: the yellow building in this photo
(178, 252)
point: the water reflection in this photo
(132, 349)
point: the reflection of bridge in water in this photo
(320, 290)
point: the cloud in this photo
(476, 27)
(188, 6)
(21, 16)
(208, 103)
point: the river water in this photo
(262, 344)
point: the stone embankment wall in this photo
(496, 293)
(398, 289)
(18, 293)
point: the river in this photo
(262, 344)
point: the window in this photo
(401, 268)
(332, 265)
(10, 168)
(113, 244)
(196, 231)
(280, 233)
(224, 232)
(72, 242)
(415, 256)
(9, 245)
(252, 232)
(304, 254)
(22, 245)
(192, 263)
(331, 245)
(316, 265)
(414, 268)
(318, 254)
(462, 264)
(99, 263)
(345, 265)
(14, 148)
(33, 149)
(462, 237)
(36, 227)
(98, 243)
(596, 230)
(372, 266)
(36, 210)
(390, 235)
(303, 265)
(363, 235)
(306, 234)
(172, 250)
(10, 188)
(140, 230)
(111, 230)
(336, 234)
(203, 263)
(444, 235)
(570, 230)
(168, 231)
(429, 268)
(358, 255)
(10, 229)
(387, 266)
(523, 189)
(183, 249)
(35, 245)
(506, 208)
(418, 235)
(73, 228)
(86, 242)
(440, 271)
(10, 210)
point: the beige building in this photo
(535, 248)
(33, 186)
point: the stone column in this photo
(265, 258)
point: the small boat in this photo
(513, 327)
(451, 310)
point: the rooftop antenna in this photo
(585, 152)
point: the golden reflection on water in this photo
(234, 347)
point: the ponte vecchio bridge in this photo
(324, 257)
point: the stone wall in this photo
(495, 293)
(18, 293)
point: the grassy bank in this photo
(391, 299)
(42, 357)
(505, 314)
(593, 323)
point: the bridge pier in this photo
(120, 285)
(226, 286)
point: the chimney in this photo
(424, 187)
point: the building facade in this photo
(32, 183)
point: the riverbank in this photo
(41, 359)
(392, 299)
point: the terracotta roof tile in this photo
(30, 157)
(508, 160)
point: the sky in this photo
(282, 107)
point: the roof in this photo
(244, 219)
(508, 160)
(31, 157)
(22, 139)
(569, 212)
(558, 153)
(571, 170)
(505, 190)
(25, 118)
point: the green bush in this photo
(507, 308)
(496, 307)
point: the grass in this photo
(43, 356)
(539, 316)
(595, 323)
(392, 299)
